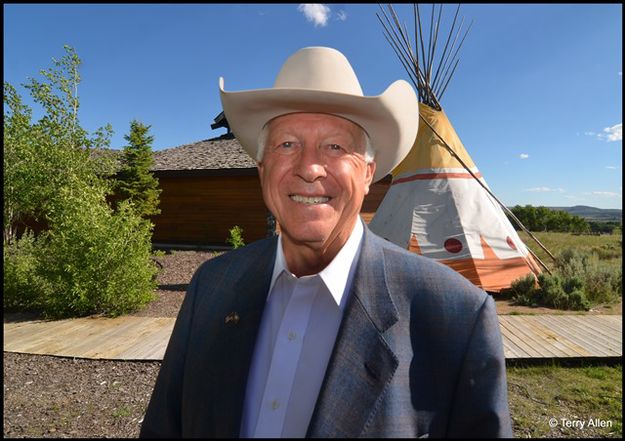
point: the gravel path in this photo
(56, 397)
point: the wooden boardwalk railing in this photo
(145, 338)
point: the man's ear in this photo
(260, 166)
(369, 173)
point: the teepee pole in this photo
(431, 89)
(490, 193)
(444, 54)
(405, 57)
(539, 261)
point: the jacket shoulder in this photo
(242, 257)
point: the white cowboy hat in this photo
(321, 80)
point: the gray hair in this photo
(264, 133)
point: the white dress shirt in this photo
(296, 336)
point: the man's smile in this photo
(309, 200)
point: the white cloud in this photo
(611, 134)
(524, 156)
(609, 194)
(611, 167)
(318, 13)
(544, 189)
(341, 15)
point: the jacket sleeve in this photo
(163, 415)
(480, 408)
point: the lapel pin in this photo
(232, 318)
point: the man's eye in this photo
(286, 147)
(334, 150)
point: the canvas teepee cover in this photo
(434, 207)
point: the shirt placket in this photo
(285, 359)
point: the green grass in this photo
(122, 412)
(607, 246)
(570, 395)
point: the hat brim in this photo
(391, 119)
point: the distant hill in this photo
(592, 213)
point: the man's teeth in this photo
(309, 200)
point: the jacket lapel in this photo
(362, 362)
(240, 321)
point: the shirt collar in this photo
(336, 274)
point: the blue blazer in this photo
(418, 353)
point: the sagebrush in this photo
(580, 279)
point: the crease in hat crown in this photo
(319, 68)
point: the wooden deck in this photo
(145, 338)
(121, 338)
(561, 336)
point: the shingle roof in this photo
(224, 153)
(218, 153)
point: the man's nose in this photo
(310, 164)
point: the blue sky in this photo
(536, 98)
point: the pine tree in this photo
(135, 181)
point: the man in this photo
(328, 330)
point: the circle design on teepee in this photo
(453, 245)
(510, 243)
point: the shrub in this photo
(601, 281)
(578, 301)
(572, 262)
(607, 251)
(550, 293)
(236, 237)
(604, 284)
(94, 260)
(522, 290)
(553, 291)
(562, 292)
(20, 287)
(570, 284)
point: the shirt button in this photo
(275, 404)
(292, 335)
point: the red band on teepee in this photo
(436, 176)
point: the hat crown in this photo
(319, 68)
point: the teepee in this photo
(438, 204)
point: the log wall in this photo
(200, 210)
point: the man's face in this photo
(314, 177)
